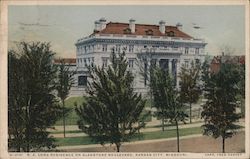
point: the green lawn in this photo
(70, 101)
(85, 140)
(170, 124)
(72, 117)
(67, 132)
(148, 103)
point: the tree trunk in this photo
(223, 144)
(190, 113)
(177, 135)
(18, 149)
(118, 145)
(63, 118)
(27, 131)
(162, 123)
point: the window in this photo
(145, 73)
(105, 62)
(85, 62)
(196, 50)
(175, 48)
(131, 48)
(104, 47)
(155, 46)
(197, 61)
(127, 31)
(153, 63)
(92, 61)
(85, 49)
(118, 48)
(163, 63)
(82, 80)
(171, 33)
(186, 50)
(186, 63)
(149, 32)
(131, 63)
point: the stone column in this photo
(170, 65)
(177, 73)
(157, 62)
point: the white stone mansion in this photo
(145, 44)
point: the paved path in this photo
(190, 143)
(127, 143)
(150, 129)
(153, 123)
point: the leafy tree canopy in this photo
(112, 110)
(32, 104)
(219, 111)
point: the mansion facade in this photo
(144, 44)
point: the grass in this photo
(71, 118)
(170, 124)
(168, 134)
(148, 103)
(72, 100)
(85, 140)
(68, 132)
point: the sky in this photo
(221, 26)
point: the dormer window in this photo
(149, 32)
(127, 31)
(170, 33)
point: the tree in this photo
(189, 85)
(16, 101)
(146, 65)
(112, 109)
(32, 106)
(167, 100)
(160, 85)
(241, 85)
(65, 80)
(219, 111)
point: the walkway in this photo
(151, 127)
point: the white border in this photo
(3, 72)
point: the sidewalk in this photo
(152, 123)
(150, 129)
(126, 143)
(142, 130)
(143, 142)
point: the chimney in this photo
(132, 25)
(102, 23)
(162, 26)
(179, 26)
(97, 25)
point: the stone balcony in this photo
(141, 37)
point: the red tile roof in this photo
(217, 60)
(141, 29)
(65, 60)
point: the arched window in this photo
(149, 32)
(127, 31)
